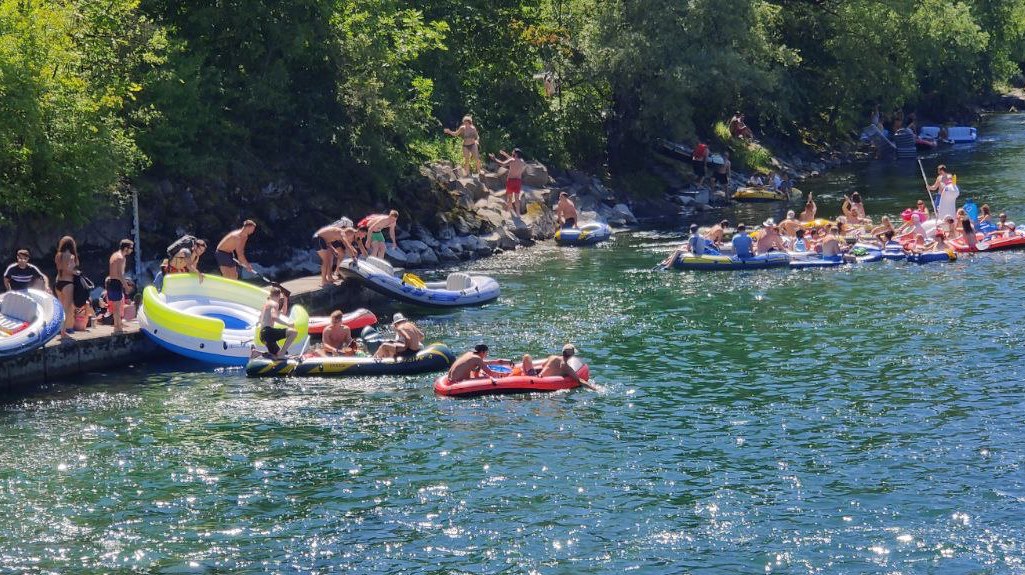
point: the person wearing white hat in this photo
(768, 238)
(408, 339)
(788, 227)
(558, 365)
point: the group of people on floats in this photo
(803, 233)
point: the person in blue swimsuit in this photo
(742, 243)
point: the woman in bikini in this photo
(66, 261)
(471, 144)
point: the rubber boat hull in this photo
(511, 384)
(459, 289)
(214, 320)
(932, 257)
(755, 194)
(434, 357)
(993, 244)
(28, 319)
(585, 235)
(728, 263)
(804, 260)
(355, 320)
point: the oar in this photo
(927, 191)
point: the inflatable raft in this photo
(803, 260)
(759, 194)
(457, 290)
(355, 320)
(214, 320)
(723, 263)
(435, 357)
(993, 244)
(931, 257)
(585, 235)
(28, 319)
(511, 383)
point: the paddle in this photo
(265, 279)
(927, 191)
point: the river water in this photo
(853, 420)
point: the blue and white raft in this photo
(458, 289)
(724, 263)
(585, 235)
(28, 319)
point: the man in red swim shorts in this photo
(514, 180)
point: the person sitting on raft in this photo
(409, 339)
(984, 216)
(743, 245)
(809, 210)
(769, 239)
(269, 318)
(471, 364)
(715, 233)
(940, 245)
(756, 181)
(830, 244)
(854, 210)
(788, 227)
(922, 210)
(337, 338)
(884, 226)
(554, 366)
(800, 245)
(695, 245)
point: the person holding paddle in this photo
(232, 245)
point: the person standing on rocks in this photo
(565, 212)
(376, 224)
(722, 175)
(471, 143)
(117, 284)
(699, 162)
(514, 179)
(232, 245)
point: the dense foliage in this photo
(344, 98)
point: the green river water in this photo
(853, 420)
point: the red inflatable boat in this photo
(357, 319)
(510, 383)
(993, 244)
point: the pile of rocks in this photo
(478, 224)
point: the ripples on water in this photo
(854, 420)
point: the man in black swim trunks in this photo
(116, 282)
(269, 332)
(23, 275)
(234, 243)
(409, 340)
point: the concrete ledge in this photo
(95, 349)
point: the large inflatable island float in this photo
(355, 320)
(585, 235)
(28, 319)
(458, 289)
(435, 357)
(213, 320)
(515, 382)
(728, 263)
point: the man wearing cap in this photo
(788, 227)
(471, 363)
(409, 339)
(558, 365)
(743, 245)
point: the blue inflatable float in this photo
(585, 235)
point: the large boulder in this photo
(413, 246)
(396, 256)
(425, 235)
(494, 180)
(446, 233)
(446, 254)
(536, 175)
(428, 258)
(628, 215)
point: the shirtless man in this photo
(470, 363)
(556, 365)
(330, 241)
(116, 282)
(715, 233)
(722, 175)
(375, 228)
(269, 318)
(769, 239)
(788, 227)
(809, 210)
(410, 339)
(337, 338)
(232, 247)
(830, 244)
(353, 239)
(565, 212)
(471, 143)
(514, 179)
